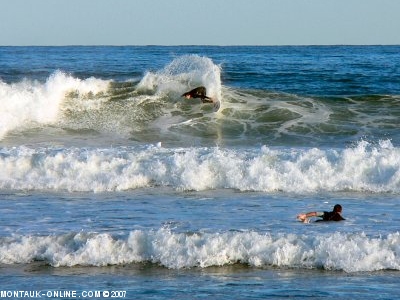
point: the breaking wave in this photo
(357, 252)
(150, 109)
(366, 167)
(31, 102)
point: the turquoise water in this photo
(110, 181)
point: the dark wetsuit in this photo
(199, 92)
(331, 216)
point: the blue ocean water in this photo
(111, 181)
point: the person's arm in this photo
(303, 217)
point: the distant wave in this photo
(366, 167)
(357, 252)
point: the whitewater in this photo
(364, 168)
(107, 173)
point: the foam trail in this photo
(30, 102)
(357, 252)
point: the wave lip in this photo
(357, 252)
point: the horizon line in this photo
(202, 45)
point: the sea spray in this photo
(183, 73)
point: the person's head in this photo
(337, 208)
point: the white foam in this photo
(365, 167)
(339, 251)
(182, 73)
(30, 102)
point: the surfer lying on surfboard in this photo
(199, 92)
(334, 215)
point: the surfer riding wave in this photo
(199, 92)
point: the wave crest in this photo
(357, 252)
(31, 102)
(365, 167)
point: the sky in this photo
(199, 22)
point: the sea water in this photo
(111, 182)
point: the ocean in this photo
(112, 185)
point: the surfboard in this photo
(303, 220)
(216, 105)
(306, 220)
